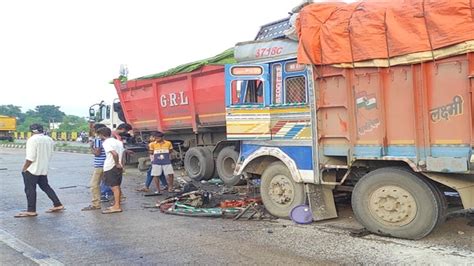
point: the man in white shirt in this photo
(112, 166)
(39, 149)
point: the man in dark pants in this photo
(39, 149)
(112, 166)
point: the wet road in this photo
(145, 236)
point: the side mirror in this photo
(91, 113)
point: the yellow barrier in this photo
(64, 136)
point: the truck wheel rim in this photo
(228, 166)
(195, 165)
(281, 190)
(392, 206)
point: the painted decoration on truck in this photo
(369, 126)
(277, 124)
(299, 129)
(367, 101)
(446, 111)
(367, 116)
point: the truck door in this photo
(247, 100)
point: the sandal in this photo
(56, 209)
(90, 208)
(110, 210)
(143, 190)
(25, 214)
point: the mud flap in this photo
(321, 202)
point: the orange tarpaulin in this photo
(333, 33)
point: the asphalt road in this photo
(145, 236)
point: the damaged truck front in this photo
(387, 117)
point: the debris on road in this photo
(359, 232)
(301, 214)
(216, 181)
(211, 199)
(67, 187)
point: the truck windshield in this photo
(246, 92)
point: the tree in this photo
(74, 123)
(12, 110)
(25, 126)
(48, 113)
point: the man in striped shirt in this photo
(97, 175)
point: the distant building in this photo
(54, 126)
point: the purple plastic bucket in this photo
(301, 214)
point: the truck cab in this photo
(268, 112)
(110, 115)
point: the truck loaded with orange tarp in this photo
(381, 105)
(341, 33)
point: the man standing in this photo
(39, 149)
(160, 151)
(99, 158)
(112, 166)
(149, 177)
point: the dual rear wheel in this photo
(200, 165)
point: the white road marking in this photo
(27, 250)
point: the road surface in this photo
(146, 236)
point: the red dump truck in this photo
(188, 104)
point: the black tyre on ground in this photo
(198, 163)
(280, 193)
(225, 164)
(214, 171)
(397, 202)
(210, 156)
(439, 196)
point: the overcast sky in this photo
(65, 52)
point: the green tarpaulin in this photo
(226, 57)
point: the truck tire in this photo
(439, 196)
(279, 192)
(225, 164)
(210, 156)
(198, 163)
(398, 203)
